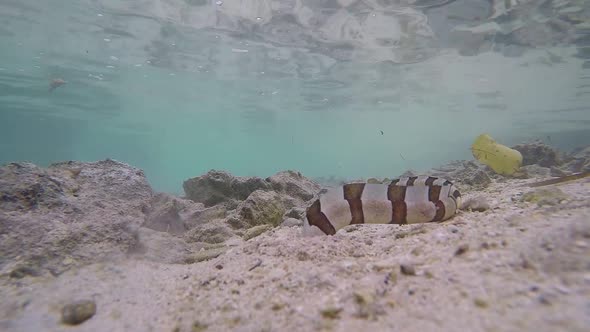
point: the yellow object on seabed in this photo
(500, 158)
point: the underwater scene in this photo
(342, 89)
(306, 165)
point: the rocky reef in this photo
(75, 213)
(68, 213)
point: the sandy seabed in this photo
(518, 266)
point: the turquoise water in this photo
(177, 95)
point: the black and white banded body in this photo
(407, 200)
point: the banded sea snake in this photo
(406, 200)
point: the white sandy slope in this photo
(527, 268)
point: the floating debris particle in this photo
(56, 83)
(78, 312)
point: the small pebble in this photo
(208, 281)
(22, 271)
(256, 231)
(198, 327)
(391, 278)
(441, 236)
(366, 304)
(303, 256)
(277, 306)
(77, 312)
(478, 204)
(546, 298)
(408, 269)
(480, 302)
(204, 255)
(291, 222)
(256, 264)
(331, 312)
(383, 265)
(453, 229)
(563, 289)
(462, 249)
(527, 264)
